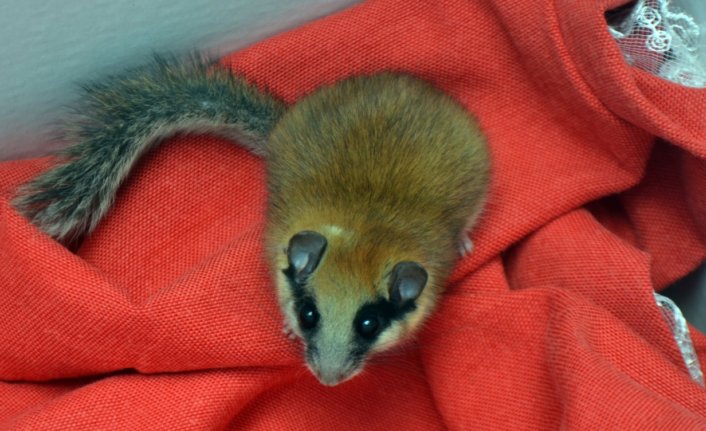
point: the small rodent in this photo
(373, 184)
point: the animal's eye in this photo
(368, 326)
(308, 316)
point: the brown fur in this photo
(388, 169)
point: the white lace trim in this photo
(659, 37)
(680, 330)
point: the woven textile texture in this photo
(165, 318)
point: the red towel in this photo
(165, 317)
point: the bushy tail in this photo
(123, 116)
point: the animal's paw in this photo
(289, 332)
(465, 245)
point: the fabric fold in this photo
(165, 317)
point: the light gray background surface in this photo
(50, 46)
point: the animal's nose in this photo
(330, 376)
(331, 364)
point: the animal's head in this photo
(347, 302)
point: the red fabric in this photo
(165, 317)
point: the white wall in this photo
(48, 46)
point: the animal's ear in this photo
(304, 253)
(407, 282)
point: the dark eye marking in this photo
(375, 317)
(297, 287)
(368, 325)
(308, 315)
(304, 252)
